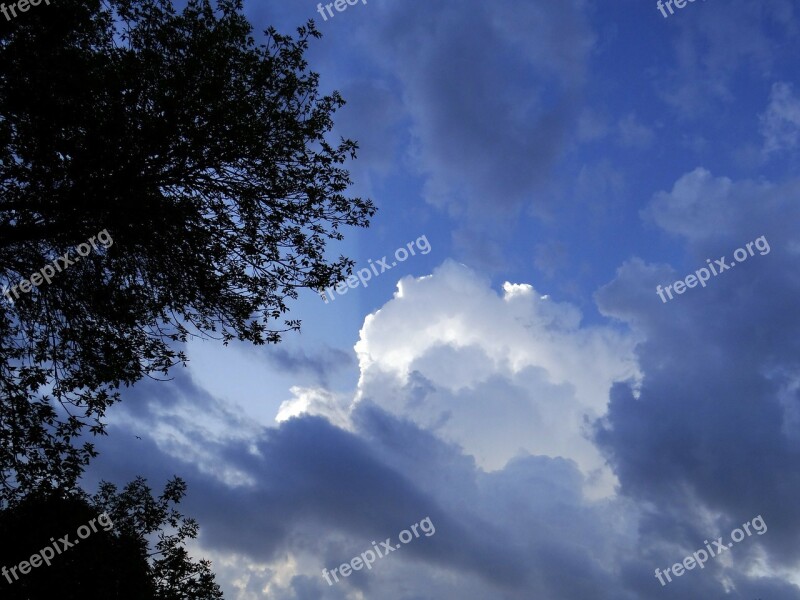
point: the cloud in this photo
(780, 125)
(709, 439)
(473, 407)
(500, 375)
(557, 459)
(701, 74)
(634, 134)
(323, 494)
(321, 363)
(718, 215)
(316, 401)
(516, 125)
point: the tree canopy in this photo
(203, 155)
(97, 547)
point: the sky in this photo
(569, 425)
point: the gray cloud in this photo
(321, 491)
(321, 363)
(699, 75)
(712, 430)
(478, 148)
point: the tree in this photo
(201, 155)
(96, 548)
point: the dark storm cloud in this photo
(312, 472)
(321, 490)
(309, 473)
(716, 425)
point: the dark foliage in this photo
(110, 559)
(204, 157)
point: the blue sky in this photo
(522, 383)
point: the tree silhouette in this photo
(202, 156)
(111, 560)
